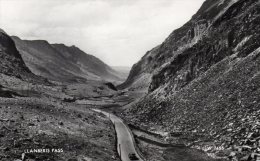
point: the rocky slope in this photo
(11, 62)
(205, 80)
(62, 63)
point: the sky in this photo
(119, 32)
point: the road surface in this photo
(125, 140)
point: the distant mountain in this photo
(122, 70)
(63, 63)
(204, 79)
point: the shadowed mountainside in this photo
(11, 62)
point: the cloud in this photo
(117, 31)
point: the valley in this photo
(194, 97)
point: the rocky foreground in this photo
(41, 119)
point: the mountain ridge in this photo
(63, 63)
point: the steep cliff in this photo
(205, 78)
(178, 41)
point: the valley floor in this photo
(47, 127)
(59, 118)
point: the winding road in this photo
(125, 140)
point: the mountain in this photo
(178, 41)
(63, 63)
(12, 67)
(204, 80)
(11, 62)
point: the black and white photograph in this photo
(129, 80)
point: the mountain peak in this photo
(11, 62)
(2, 31)
(15, 37)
